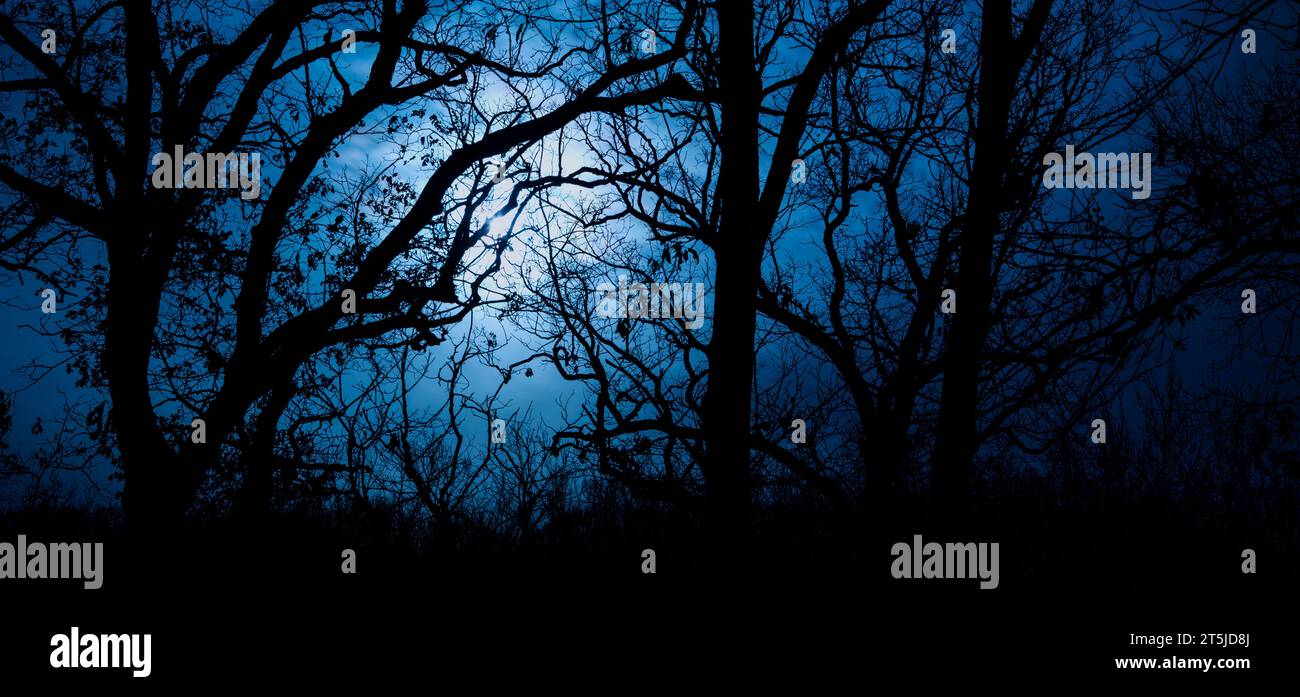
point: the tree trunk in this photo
(726, 406)
(258, 460)
(955, 443)
(727, 401)
(153, 478)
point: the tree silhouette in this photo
(829, 173)
(197, 278)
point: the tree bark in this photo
(726, 406)
(1001, 58)
(153, 478)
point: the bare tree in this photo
(134, 79)
(924, 174)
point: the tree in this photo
(924, 174)
(134, 79)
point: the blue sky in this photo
(542, 391)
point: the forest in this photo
(770, 285)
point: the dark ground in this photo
(243, 604)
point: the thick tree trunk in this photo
(727, 400)
(884, 452)
(955, 442)
(257, 461)
(153, 478)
